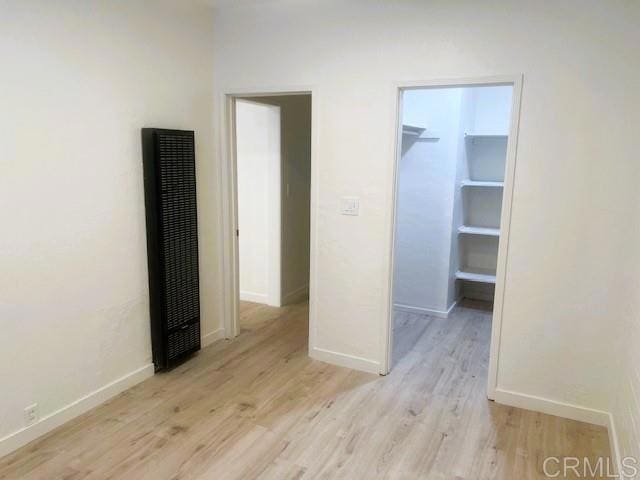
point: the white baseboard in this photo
(345, 360)
(47, 423)
(425, 311)
(253, 297)
(297, 295)
(552, 407)
(212, 337)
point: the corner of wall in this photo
(296, 295)
(614, 443)
(212, 337)
(345, 360)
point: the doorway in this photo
(259, 170)
(454, 178)
(272, 145)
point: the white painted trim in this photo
(254, 297)
(503, 243)
(425, 311)
(552, 407)
(213, 337)
(458, 82)
(228, 199)
(228, 217)
(386, 333)
(345, 360)
(297, 295)
(505, 221)
(316, 102)
(47, 423)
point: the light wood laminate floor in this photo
(259, 407)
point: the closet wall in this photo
(425, 200)
(449, 196)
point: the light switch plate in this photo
(350, 206)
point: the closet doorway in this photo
(453, 187)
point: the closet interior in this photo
(451, 175)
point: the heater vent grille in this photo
(186, 339)
(179, 228)
(172, 243)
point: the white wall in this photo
(575, 175)
(258, 157)
(79, 80)
(491, 110)
(426, 188)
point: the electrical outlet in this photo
(31, 414)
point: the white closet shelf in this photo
(478, 183)
(492, 232)
(485, 135)
(418, 132)
(482, 275)
(412, 130)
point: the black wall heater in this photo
(172, 243)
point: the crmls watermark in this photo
(598, 467)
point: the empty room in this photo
(342, 239)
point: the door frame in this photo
(228, 184)
(505, 219)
